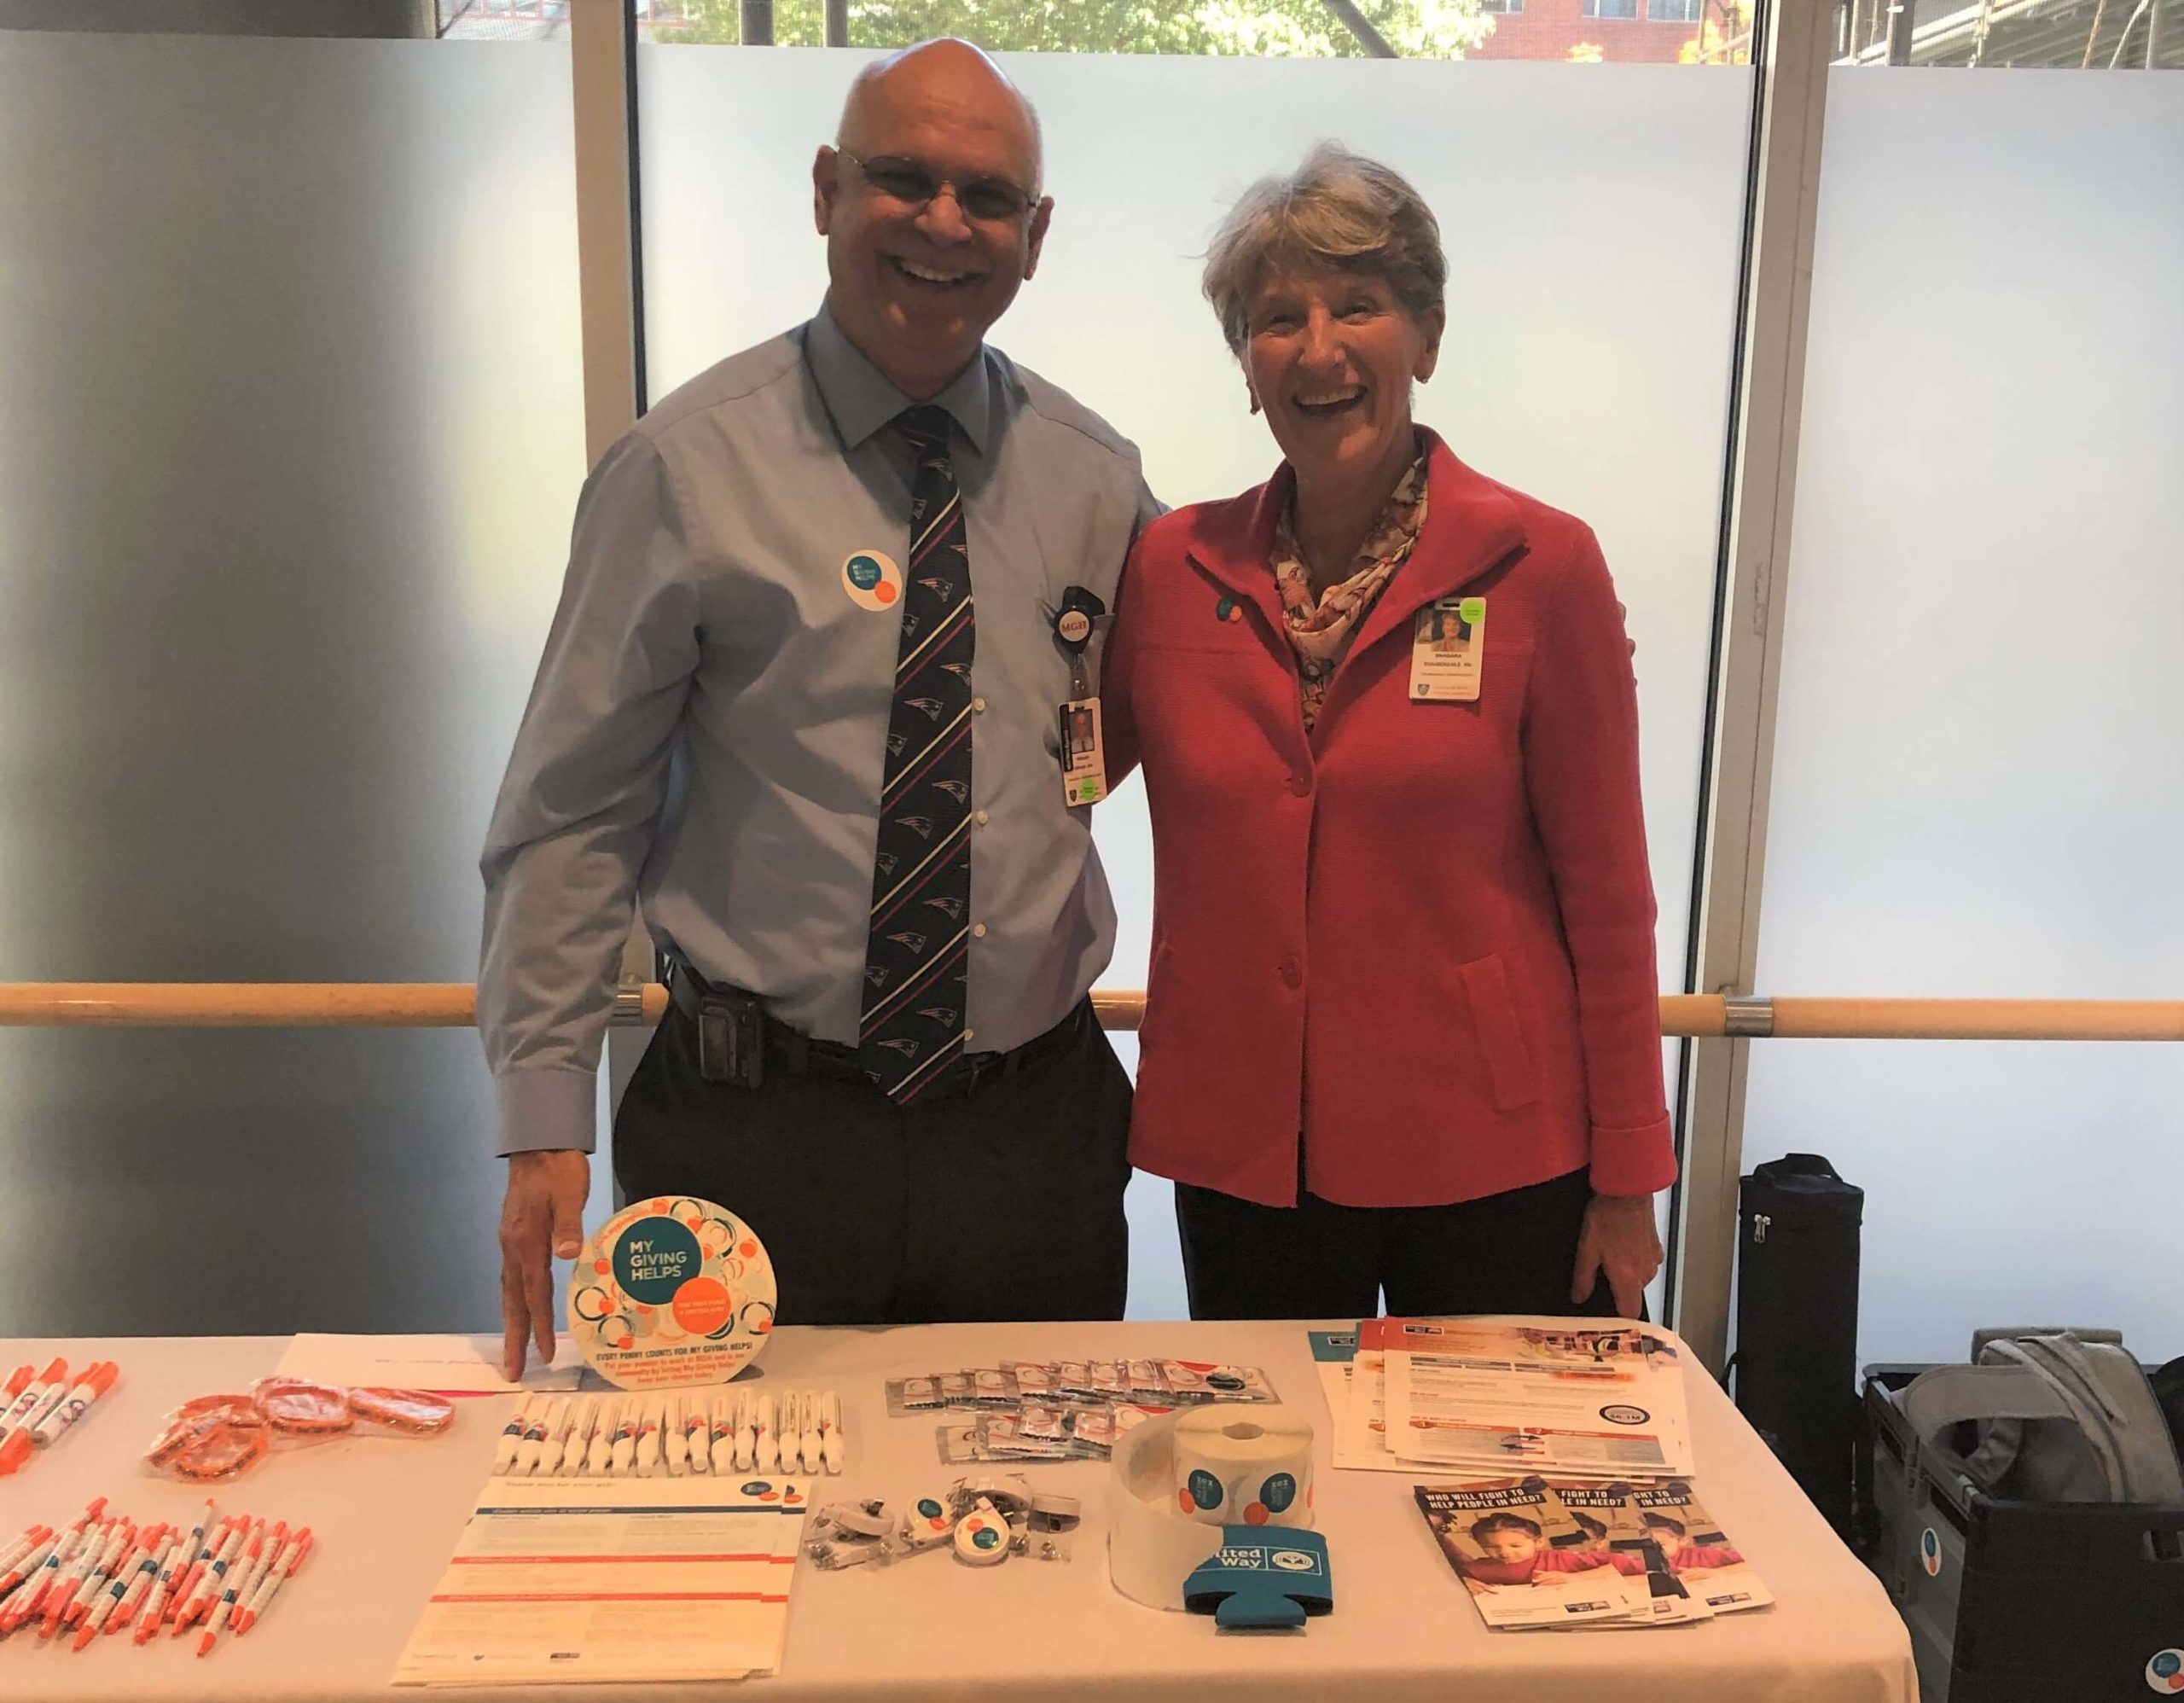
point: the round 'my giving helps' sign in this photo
(671, 1290)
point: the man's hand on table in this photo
(541, 1220)
(1621, 1240)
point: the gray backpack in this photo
(2058, 1415)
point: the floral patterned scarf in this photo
(1320, 629)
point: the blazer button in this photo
(1293, 972)
(1300, 784)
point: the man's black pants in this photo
(1005, 1203)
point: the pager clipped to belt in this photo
(732, 1038)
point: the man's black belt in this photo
(735, 1029)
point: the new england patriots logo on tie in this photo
(940, 1014)
(896, 741)
(876, 975)
(920, 825)
(902, 1045)
(886, 861)
(955, 789)
(950, 907)
(928, 707)
(941, 589)
(910, 941)
(962, 671)
(910, 626)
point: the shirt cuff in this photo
(1633, 1161)
(544, 1109)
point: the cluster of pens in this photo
(102, 1574)
(41, 1406)
(673, 1432)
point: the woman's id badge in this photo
(1084, 762)
(1446, 643)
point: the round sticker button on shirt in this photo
(873, 581)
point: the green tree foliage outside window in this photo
(1425, 29)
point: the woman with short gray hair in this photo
(1402, 1034)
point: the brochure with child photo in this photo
(1525, 1559)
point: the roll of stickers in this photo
(671, 1290)
(1153, 1546)
(1244, 1466)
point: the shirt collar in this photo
(861, 398)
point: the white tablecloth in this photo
(387, 1512)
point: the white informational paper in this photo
(1353, 1381)
(601, 1581)
(452, 1365)
(1599, 1398)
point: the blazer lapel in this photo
(1237, 552)
(1470, 525)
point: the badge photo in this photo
(873, 581)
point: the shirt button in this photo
(978, 705)
(1300, 784)
(980, 818)
(1293, 972)
(978, 930)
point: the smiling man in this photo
(802, 699)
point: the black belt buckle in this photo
(731, 1038)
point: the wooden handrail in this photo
(454, 1005)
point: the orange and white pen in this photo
(291, 1558)
(107, 1586)
(232, 1534)
(36, 1398)
(200, 1557)
(217, 1620)
(94, 1381)
(144, 1578)
(16, 1561)
(171, 1570)
(25, 1601)
(133, 1572)
(94, 1558)
(253, 1575)
(18, 1381)
(61, 1412)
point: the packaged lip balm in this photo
(1073, 1378)
(1033, 1381)
(1199, 1381)
(913, 1395)
(670, 1291)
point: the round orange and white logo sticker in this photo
(873, 581)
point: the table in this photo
(386, 1512)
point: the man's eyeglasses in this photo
(992, 200)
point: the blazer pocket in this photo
(1500, 1035)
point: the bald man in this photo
(825, 618)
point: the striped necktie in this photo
(917, 970)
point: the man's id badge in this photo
(1084, 762)
(1446, 645)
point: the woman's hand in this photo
(1619, 1239)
